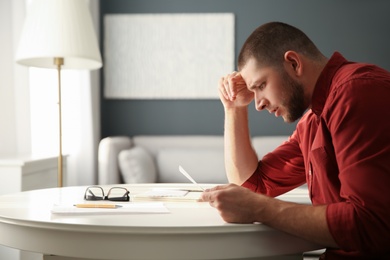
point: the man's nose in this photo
(261, 104)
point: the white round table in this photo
(191, 230)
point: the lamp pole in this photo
(59, 62)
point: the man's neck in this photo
(313, 72)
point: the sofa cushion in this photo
(205, 165)
(109, 149)
(137, 166)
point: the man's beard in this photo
(294, 99)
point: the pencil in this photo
(104, 206)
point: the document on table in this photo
(128, 208)
(169, 195)
(173, 194)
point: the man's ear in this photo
(293, 62)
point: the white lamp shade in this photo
(59, 29)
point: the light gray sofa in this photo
(145, 159)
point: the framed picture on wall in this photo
(167, 56)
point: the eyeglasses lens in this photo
(94, 193)
(118, 194)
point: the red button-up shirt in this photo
(341, 149)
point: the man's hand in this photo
(233, 91)
(235, 203)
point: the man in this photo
(340, 148)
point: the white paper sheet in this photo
(168, 195)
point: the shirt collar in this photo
(321, 90)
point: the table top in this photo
(27, 223)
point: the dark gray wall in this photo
(359, 29)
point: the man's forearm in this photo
(305, 221)
(240, 158)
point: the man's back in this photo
(345, 142)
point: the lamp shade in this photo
(59, 29)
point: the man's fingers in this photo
(231, 85)
(208, 194)
(222, 89)
(228, 85)
(211, 194)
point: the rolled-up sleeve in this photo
(279, 171)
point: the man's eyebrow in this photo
(252, 86)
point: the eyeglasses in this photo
(114, 194)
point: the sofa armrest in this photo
(108, 166)
(266, 144)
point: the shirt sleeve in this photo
(279, 171)
(358, 118)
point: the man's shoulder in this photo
(355, 74)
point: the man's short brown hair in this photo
(269, 42)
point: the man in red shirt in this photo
(340, 148)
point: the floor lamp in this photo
(59, 34)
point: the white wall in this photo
(7, 108)
(14, 99)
